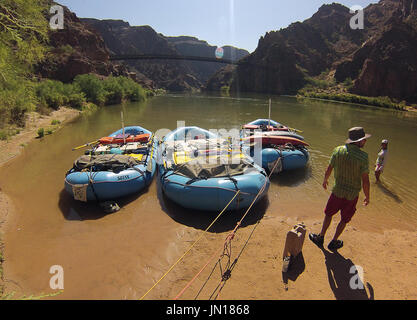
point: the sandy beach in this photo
(387, 255)
(13, 147)
(383, 247)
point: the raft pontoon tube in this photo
(109, 172)
(199, 170)
(291, 158)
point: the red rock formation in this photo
(390, 67)
(381, 58)
(409, 7)
(75, 50)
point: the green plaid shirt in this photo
(349, 163)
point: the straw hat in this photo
(357, 134)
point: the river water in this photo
(116, 256)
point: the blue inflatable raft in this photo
(108, 172)
(199, 170)
(290, 156)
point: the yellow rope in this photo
(189, 249)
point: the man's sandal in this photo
(335, 244)
(317, 239)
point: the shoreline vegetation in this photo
(378, 102)
(86, 92)
(325, 87)
(344, 97)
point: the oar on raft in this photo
(86, 145)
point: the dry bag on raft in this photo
(105, 162)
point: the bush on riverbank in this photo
(55, 94)
(382, 102)
(112, 90)
(325, 87)
(89, 88)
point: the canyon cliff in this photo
(77, 49)
(172, 75)
(380, 59)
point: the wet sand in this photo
(122, 255)
(12, 148)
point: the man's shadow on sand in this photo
(341, 273)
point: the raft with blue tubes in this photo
(124, 170)
(287, 147)
(208, 185)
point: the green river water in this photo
(49, 228)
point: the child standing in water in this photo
(381, 160)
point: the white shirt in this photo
(382, 157)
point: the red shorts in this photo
(347, 207)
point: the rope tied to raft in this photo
(227, 252)
(189, 249)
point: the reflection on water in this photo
(292, 178)
(76, 210)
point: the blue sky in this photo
(220, 22)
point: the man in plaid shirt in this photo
(351, 172)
